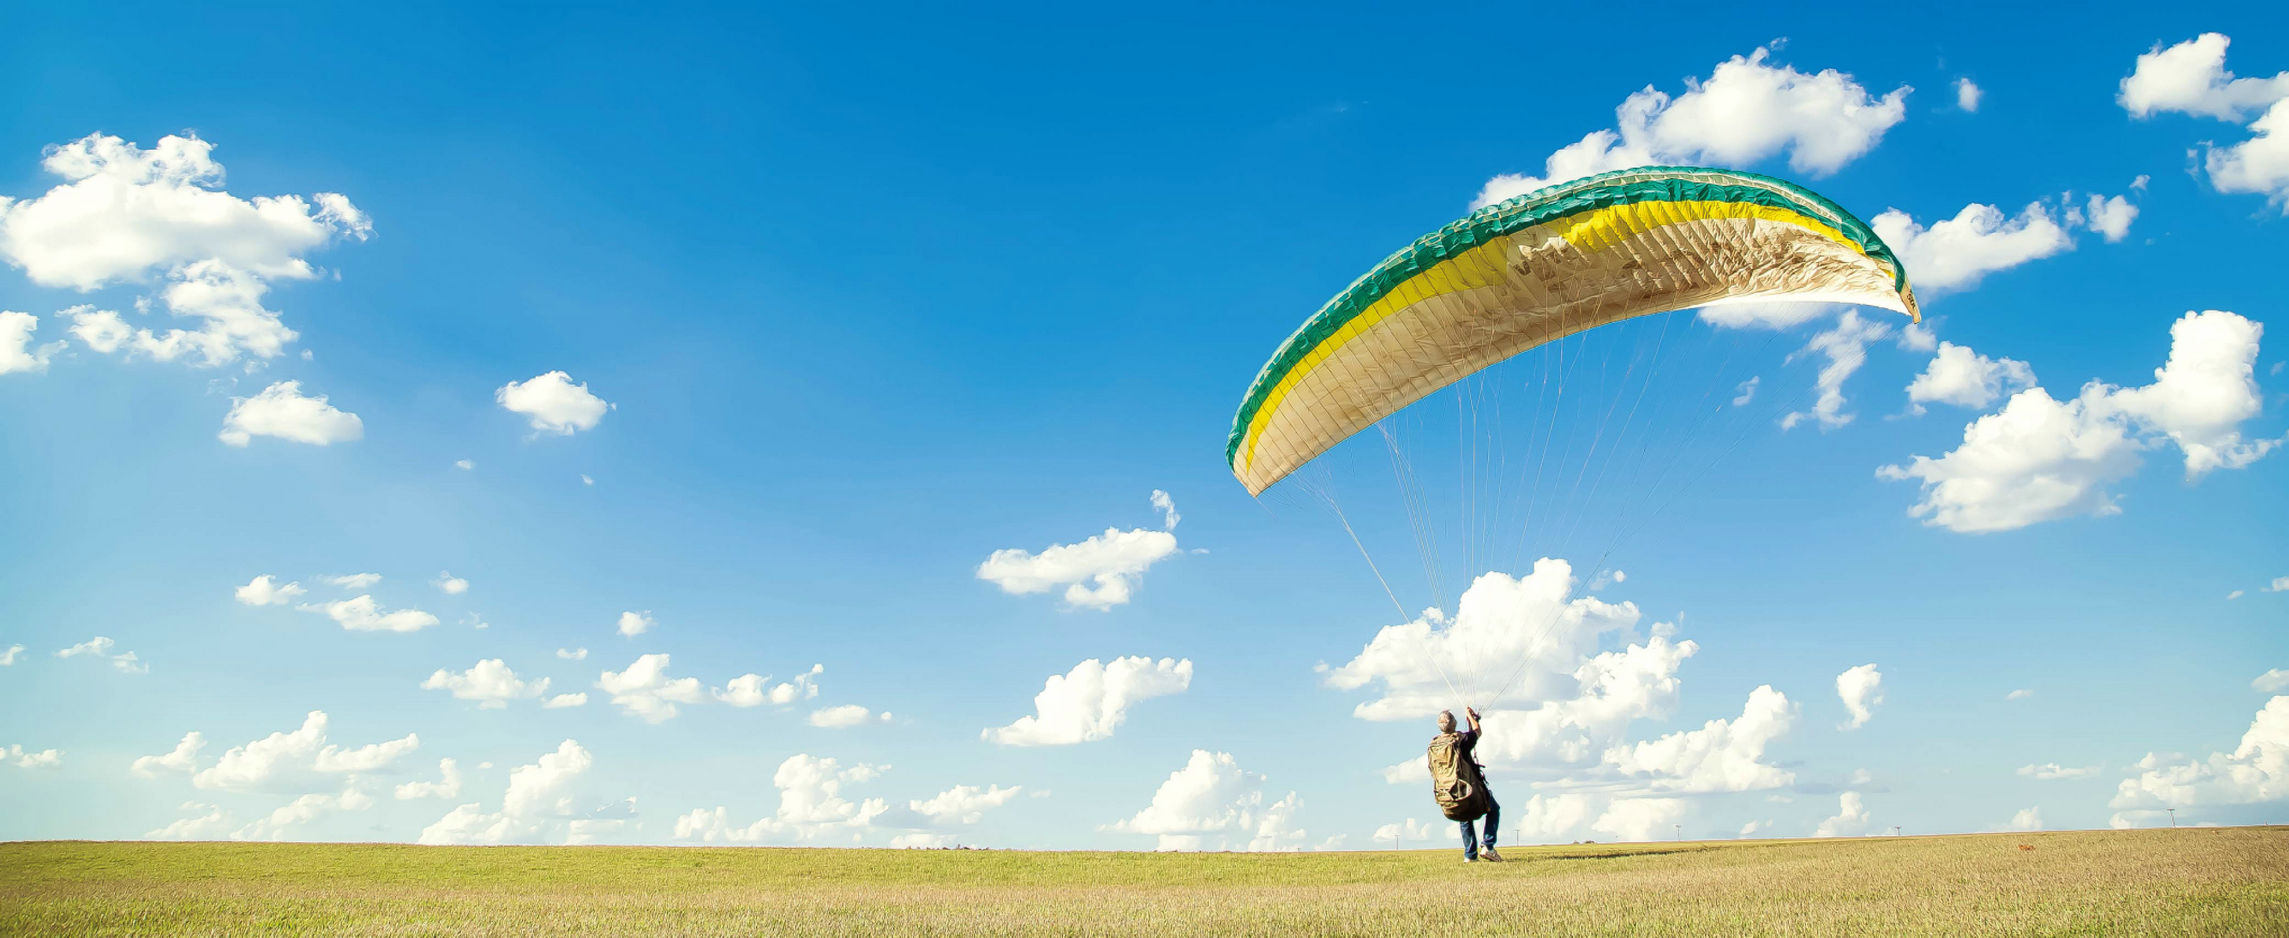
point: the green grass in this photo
(2174, 882)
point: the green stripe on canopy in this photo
(1551, 203)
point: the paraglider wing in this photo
(1541, 267)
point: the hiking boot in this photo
(1490, 855)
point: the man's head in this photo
(1446, 721)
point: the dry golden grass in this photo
(2229, 881)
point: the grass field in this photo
(2190, 881)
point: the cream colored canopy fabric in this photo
(1541, 267)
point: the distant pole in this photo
(2173, 816)
(1895, 830)
(1680, 829)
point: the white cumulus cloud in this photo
(210, 824)
(126, 214)
(2038, 459)
(755, 690)
(1723, 755)
(2111, 216)
(1549, 818)
(842, 717)
(1090, 702)
(264, 590)
(964, 804)
(1529, 632)
(2191, 78)
(811, 803)
(1747, 391)
(1957, 375)
(1845, 346)
(1746, 111)
(295, 759)
(2259, 164)
(1568, 704)
(1098, 573)
(282, 411)
(448, 784)
(1956, 253)
(540, 788)
(715, 826)
(2203, 393)
(937, 821)
(553, 403)
(1861, 689)
(644, 688)
(17, 353)
(183, 758)
(2255, 771)
(2041, 459)
(100, 647)
(22, 758)
(1851, 817)
(1576, 721)
(1167, 507)
(541, 803)
(124, 211)
(1640, 819)
(490, 682)
(2025, 819)
(1413, 830)
(2052, 771)
(361, 614)
(633, 624)
(302, 810)
(1212, 795)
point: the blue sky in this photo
(840, 306)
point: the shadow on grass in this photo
(1623, 855)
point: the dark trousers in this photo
(1487, 825)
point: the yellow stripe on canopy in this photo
(1490, 265)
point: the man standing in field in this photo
(1458, 782)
